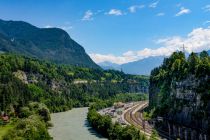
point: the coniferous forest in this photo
(180, 93)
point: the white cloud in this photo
(48, 26)
(98, 58)
(65, 27)
(160, 14)
(183, 11)
(88, 15)
(206, 8)
(134, 8)
(115, 12)
(154, 4)
(197, 40)
(206, 22)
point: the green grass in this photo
(4, 129)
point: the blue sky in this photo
(120, 31)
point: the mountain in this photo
(179, 94)
(142, 67)
(52, 44)
(109, 66)
(60, 87)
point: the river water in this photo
(72, 125)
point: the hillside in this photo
(60, 87)
(180, 93)
(52, 44)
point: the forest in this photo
(60, 87)
(180, 86)
(30, 89)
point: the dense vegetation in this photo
(104, 126)
(128, 97)
(60, 87)
(31, 123)
(51, 44)
(181, 86)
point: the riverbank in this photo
(72, 125)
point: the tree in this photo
(193, 62)
(203, 55)
(31, 128)
(154, 135)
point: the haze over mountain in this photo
(140, 67)
(109, 66)
(52, 44)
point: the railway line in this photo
(133, 116)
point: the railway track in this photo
(134, 117)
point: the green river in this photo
(72, 125)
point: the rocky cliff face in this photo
(189, 114)
(189, 109)
(180, 94)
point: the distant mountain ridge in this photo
(140, 67)
(52, 44)
(109, 66)
(143, 66)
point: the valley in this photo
(50, 88)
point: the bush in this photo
(32, 128)
(40, 109)
(25, 112)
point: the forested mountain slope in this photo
(180, 93)
(60, 87)
(52, 44)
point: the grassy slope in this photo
(5, 129)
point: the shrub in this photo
(32, 128)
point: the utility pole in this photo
(183, 48)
